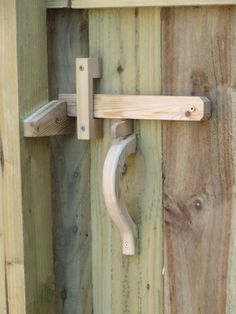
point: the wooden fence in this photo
(59, 251)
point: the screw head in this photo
(82, 128)
(81, 67)
(188, 114)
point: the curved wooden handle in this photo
(112, 170)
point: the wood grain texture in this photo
(113, 169)
(122, 129)
(151, 107)
(145, 3)
(199, 164)
(55, 4)
(25, 164)
(68, 39)
(128, 41)
(144, 107)
(49, 120)
(87, 69)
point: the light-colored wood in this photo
(54, 118)
(55, 4)
(151, 107)
(3, 288)
(87, 69)
(25, 164)
(128, 41)
(82, 4)
(112, 171)
(68, 39)
(70, 100)
(122, 129)
(185, 108)
(199, 163)
(49, 120)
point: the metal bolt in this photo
(82, 128)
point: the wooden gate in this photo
(179, 186)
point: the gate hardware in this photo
(57, 118)
(113, 169)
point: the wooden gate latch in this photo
(57, 118)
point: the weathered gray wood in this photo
(68, 39)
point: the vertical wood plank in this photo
(25, 164)
(3, 303)
(67, 40)
(128, 41)
(199, 163)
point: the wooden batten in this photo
(88, 4)
(175, 108)
(56, 4)
(143, 3)
(55, 117)
(184, 108)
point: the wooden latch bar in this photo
(90, 109)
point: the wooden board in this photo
(25, 188)
(87, 70)
(143, 107)
(151, 107)
(49, 120)
(128, 41)
(145, 3)
(68, 39)
(53, 4)
(199, 164)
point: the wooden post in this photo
(25, 192)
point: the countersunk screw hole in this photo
(81, 68)
(126, 244)
(82, 128)
(192, 109)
